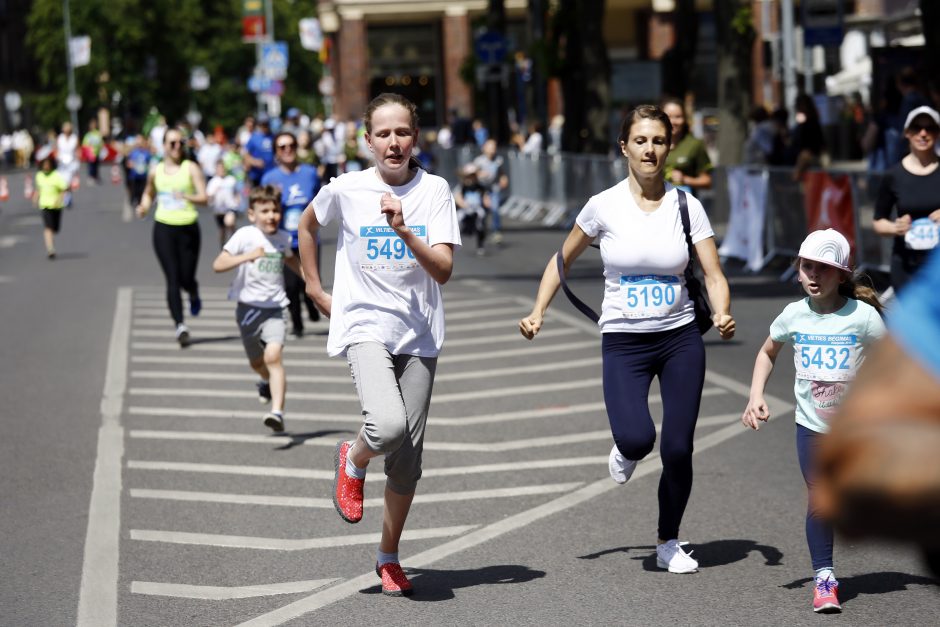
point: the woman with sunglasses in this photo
(178, 186)
(908, 205)
(298, 183)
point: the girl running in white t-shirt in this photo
(829, 330)
(395, 248)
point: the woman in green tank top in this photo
(177, 186)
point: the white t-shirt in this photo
(380, 293)
(221, 193)
(645, 255)
(65, 148)
(260, 283)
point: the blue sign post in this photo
(491, 48)
(822, 22)
(274, 58)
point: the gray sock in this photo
(385, 558)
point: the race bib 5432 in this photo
(821, 357)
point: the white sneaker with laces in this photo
(182, 335)
(620, 468)
(671, 556)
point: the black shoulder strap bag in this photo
(703, 312)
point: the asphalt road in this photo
(140, 488)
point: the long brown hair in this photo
(859, 287)
(391, 98)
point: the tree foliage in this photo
(143, 51)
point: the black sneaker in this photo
(264, 391)
(273, 421)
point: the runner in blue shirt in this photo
(259, 151)
(298, 183)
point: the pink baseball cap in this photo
(829, 247)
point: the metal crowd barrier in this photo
(550, 189)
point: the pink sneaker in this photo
(394, 581)
(347, 491)
(825, 600)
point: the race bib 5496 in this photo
(380, 248)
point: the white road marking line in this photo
(289, 544)
(483, 312)
(160, 313)
(521, 351)
(484, 534)
(221, 593)
(224, 469)
(193, 323)
(235, 345)
(449, 376)
(314, 503)
(454, 447)
(475, 302)
(207, 303)
(28, 221)
(6, 279)
(9, 241)
(97, 603)
(479, 326)
(205, 393)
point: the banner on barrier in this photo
(747, 195)
(828, 201)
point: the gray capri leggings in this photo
(395, 394)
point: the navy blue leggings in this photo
(631, 360)
(818, 533)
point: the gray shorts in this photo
(395, 393)
(260, 326)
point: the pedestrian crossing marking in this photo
(220, 593)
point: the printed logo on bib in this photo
(924, 234)
(271, 263)
(649, 295)
(292, 218)
(170, 201)
(825, 357)
(380, 248)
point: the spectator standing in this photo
(688, 165)
(91, 150)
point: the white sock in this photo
(353, 471)
(824, 572)
(385, 558)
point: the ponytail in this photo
(859, 287)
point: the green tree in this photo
(734, 21)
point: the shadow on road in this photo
(298, 439)
(709, 555)
(870, 583)
(211, 340)
(439, 585)
(65, 256)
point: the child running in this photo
(49, 197)
(259, 251)
(830, 331)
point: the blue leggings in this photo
(631, 360)
(818, 533)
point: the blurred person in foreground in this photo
(879, 468)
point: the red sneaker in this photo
(347, 491)
(825, 600)
(394, 581)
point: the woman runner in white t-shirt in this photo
(395, 248)
(648, 323)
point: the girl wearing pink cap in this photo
(830, 331)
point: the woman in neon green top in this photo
(177, 186)
(49, 197)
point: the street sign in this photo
(327, 86)
(274, 60)
(13, 101)
(311, 35)
(199, 79)
(73, 102)
(259, 84)
(80, 50)
(822, 22)
(491, 48)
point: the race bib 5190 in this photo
(380, 248)
(820, 357)
(649, 295)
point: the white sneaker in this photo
(669, 555)
(620, 468)
(182, 335)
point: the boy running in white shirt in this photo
(259, 251)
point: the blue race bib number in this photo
(380, 248)
(820, 357)
(649, 295)
(924, 234)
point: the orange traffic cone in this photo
(76, 182)
(115, 174)
(27, 187)
(4, 189)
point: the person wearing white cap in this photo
(908, 204)
(830, 331)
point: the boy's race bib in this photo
(924, 234)
(380, 248)
(649, 295)
(271, 263)
(820, 357)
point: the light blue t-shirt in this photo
(827, 351)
